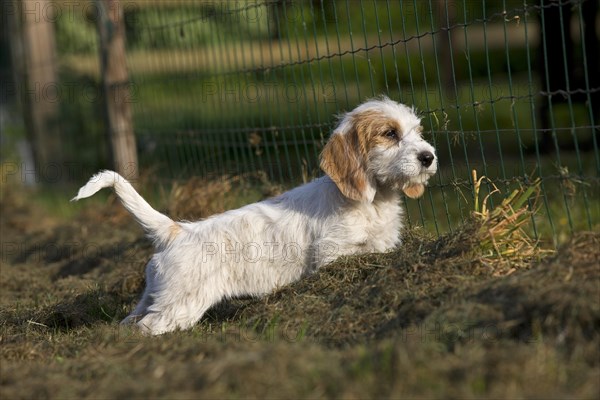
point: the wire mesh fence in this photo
(508, 88)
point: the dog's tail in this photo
(158, 226)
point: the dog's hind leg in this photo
(180, 309)
(146, 301)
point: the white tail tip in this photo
(97, 182)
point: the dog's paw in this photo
(154, 324)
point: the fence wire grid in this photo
(508, 88)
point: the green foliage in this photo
(76, 35)
(227, 88)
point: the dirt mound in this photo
(430, 319)
(377, 296)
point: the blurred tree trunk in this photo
(116, 87)
(445, 12)
(276, 16)
(34, 61)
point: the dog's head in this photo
(379, 144)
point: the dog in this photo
(376, 152)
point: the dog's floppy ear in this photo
(342, 161)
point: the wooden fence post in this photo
(445, 21)
(116, 87)
(34, 62)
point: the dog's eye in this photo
(392, 134)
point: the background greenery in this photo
(227, 88)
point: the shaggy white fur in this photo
(376, 151)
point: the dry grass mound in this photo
(439, 317)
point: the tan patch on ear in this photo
(414, 191)
(340, 160)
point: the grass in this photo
(502, 234)
(437, 318)
(564, 205)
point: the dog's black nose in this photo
(426, 158)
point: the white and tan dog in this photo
(375, 152)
